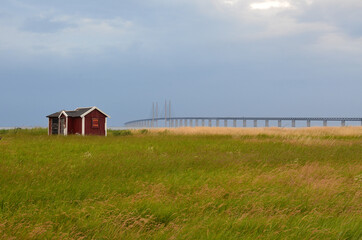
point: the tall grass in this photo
(311, 131)
(177, 185)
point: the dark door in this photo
(55, 124)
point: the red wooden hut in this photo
(85, 121)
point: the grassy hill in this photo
(203, 183)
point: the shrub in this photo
(143, 131)
(122, 133)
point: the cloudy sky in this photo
(209, 57)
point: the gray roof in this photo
(76, 113)
(53, 115)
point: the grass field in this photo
(203, 183)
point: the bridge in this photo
(174, 122)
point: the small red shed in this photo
(85, 121)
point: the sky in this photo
(221, 58)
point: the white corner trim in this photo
(105, 126)
(83, 126)
(90, 110)
(63, 112)
(66, 127)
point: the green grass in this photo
(164, 186)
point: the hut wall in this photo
(75, 125)
(90, 129)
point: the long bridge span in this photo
(174, 122)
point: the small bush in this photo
(164, 132)
(122, 133)
(144, 131)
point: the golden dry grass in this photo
(312, 131)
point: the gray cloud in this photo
(45, 25)
(157, 23)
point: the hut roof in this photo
(76, 113)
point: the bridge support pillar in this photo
(196, 122)
(293, 123)
(217, 122)
(190, 122)
(266, 123)
(308, 123)
(343, 123)
(279, 123)
(203, 122)
(225, 123)
(255, 123)
(234, 123)
(325, 124)
(185, 122)
(244, 123)
(210, 123)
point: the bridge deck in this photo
(184, 121)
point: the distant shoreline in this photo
(27, 127)
(24, 127)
